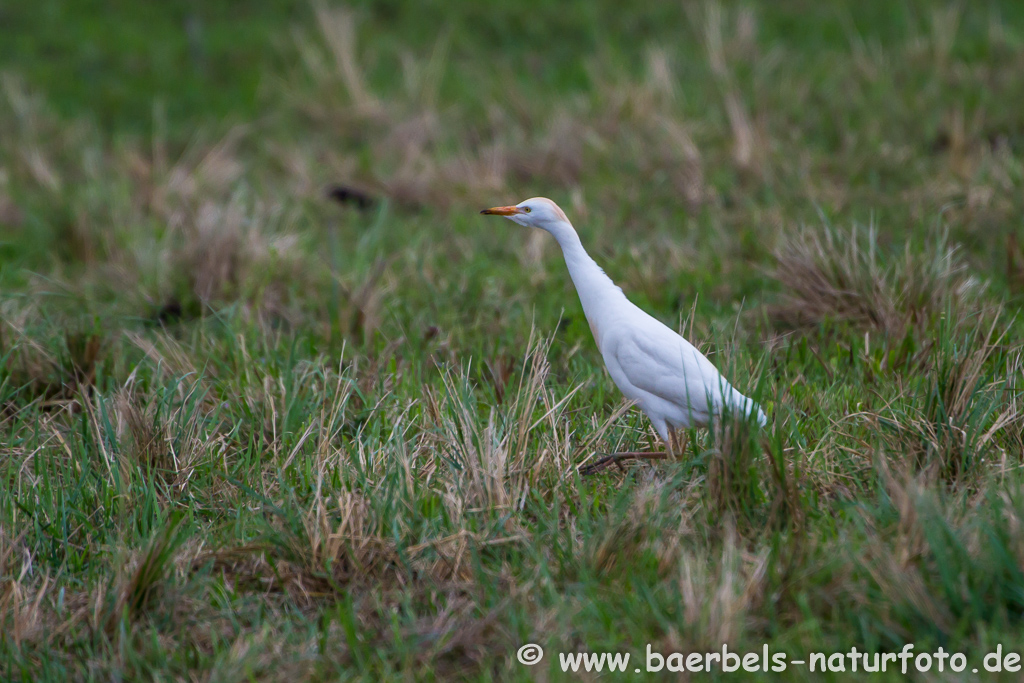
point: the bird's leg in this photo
(673, 449)
(676, 444)
(616, 458)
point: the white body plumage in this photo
(672, 382)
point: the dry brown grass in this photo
(424, 155)
(49, 364)
(717, 588)
(748, 151)
(165, 439)
(832, 275)
(21, 592)
(477, 472)
(211, 240)
(140, 580)
(963, 421)
(34, 609)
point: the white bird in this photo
(672, 382)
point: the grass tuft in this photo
(841, 276)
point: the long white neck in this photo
(596, 290)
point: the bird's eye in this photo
(526, 209)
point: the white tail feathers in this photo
(742, 405)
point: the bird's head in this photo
(538, 212)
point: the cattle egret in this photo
(672, 382)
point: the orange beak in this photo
(502, 211)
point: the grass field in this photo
(251, 432)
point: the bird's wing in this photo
(658, 361)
